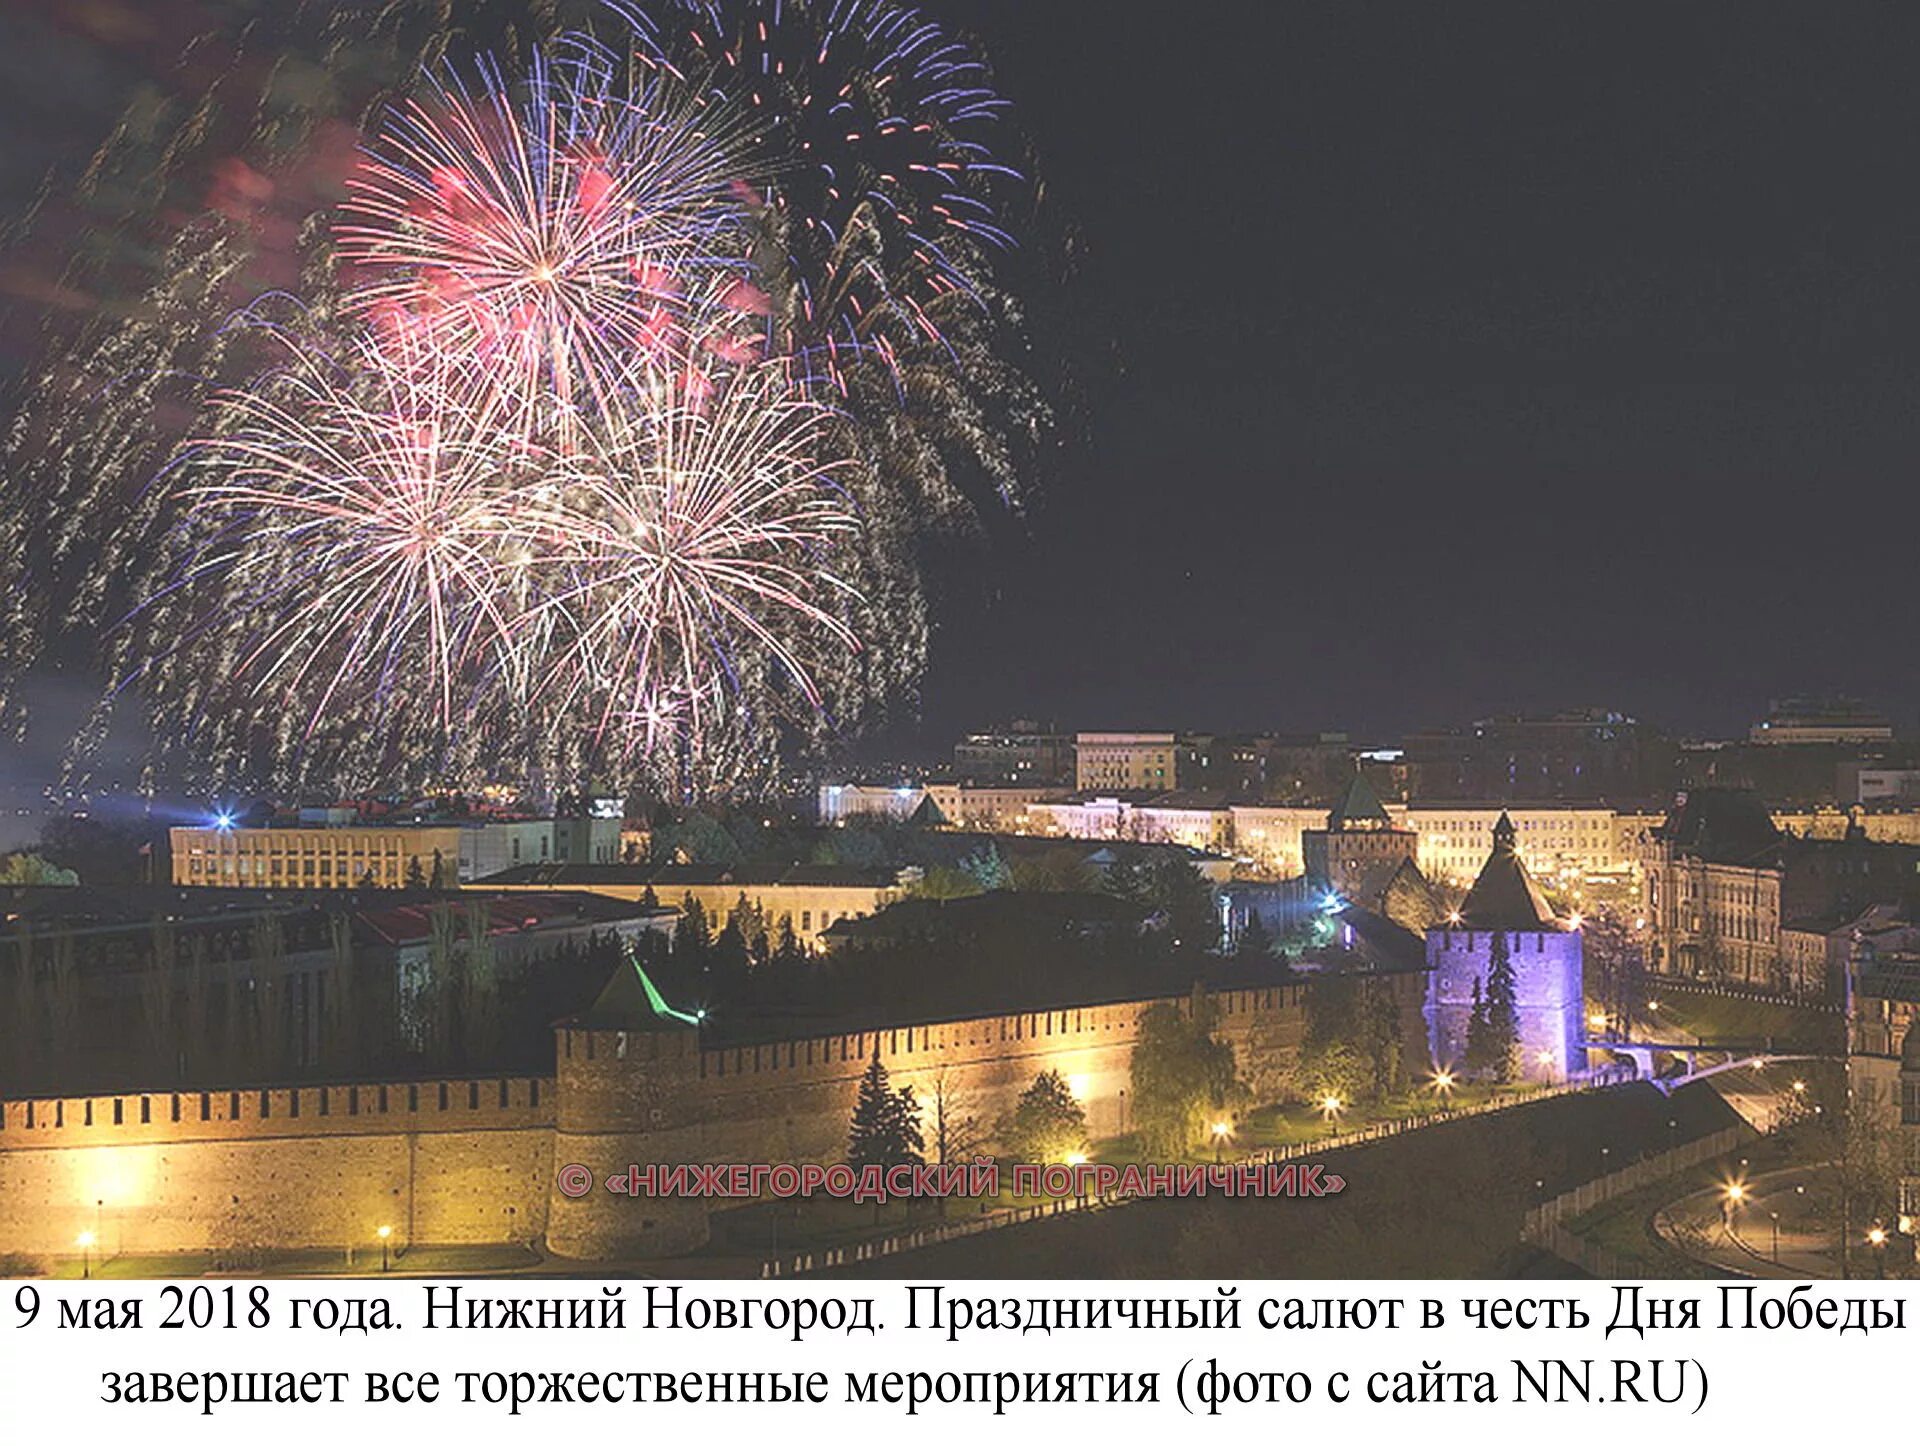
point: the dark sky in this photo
(1473, 358)
(1438, 359)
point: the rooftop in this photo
(1505, 895)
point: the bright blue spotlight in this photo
(223, 822)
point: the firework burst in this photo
(690, 547)
(358, 519)
(552, 230)
(631, 374)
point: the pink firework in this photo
(553, 232)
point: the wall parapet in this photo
(181, 1116)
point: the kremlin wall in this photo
(474, 1161)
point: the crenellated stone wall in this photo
(475, 1161)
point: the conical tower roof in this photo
(1358, 807)
(630, 1000)
(1505, 895)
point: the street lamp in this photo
(1877, 1238)
(385, 1232)
(1732, 1197)
(1221, 1129)
(85, 1241)
(1774, 1216)
(1443, 1082)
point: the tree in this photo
(1182, 1076)
(26, 868)
(1616, 963)
(479, 990)
(944, 882)
(692, 937)
(1478, 1056)
(1181, 894)
(1128, 881)
(438, 878)
(885, 1129)
(956, 1122)
(1047, 1123)
(1352, 1045)
(1386, 1039)
(987, 867)
(1057, 871)
(416, 876)
(1503, 1020)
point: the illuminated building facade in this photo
(1126, 762)
(386, 856)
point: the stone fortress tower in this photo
(1546, 955)
(628, 1076)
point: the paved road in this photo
(1772, 1233)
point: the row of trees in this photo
(1183, 1078)
(1352, 1046)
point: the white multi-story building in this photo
(1558, 842)
(323, 854)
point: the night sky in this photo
(1434, 360)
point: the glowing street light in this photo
(1443, 1082)
(1076, 1158)
(1877, 1238)
(1330, 1107)
(385, 1232)
(1221, 1129)
(1799, 1086)
(85, 1241)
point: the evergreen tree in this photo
(885, 1128)
(416, 876)
(1180, 893)
(693, 937)
(1478, 1053)
(1503, 1020)
(438, 878)
(987, 867)
(1127, 880)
